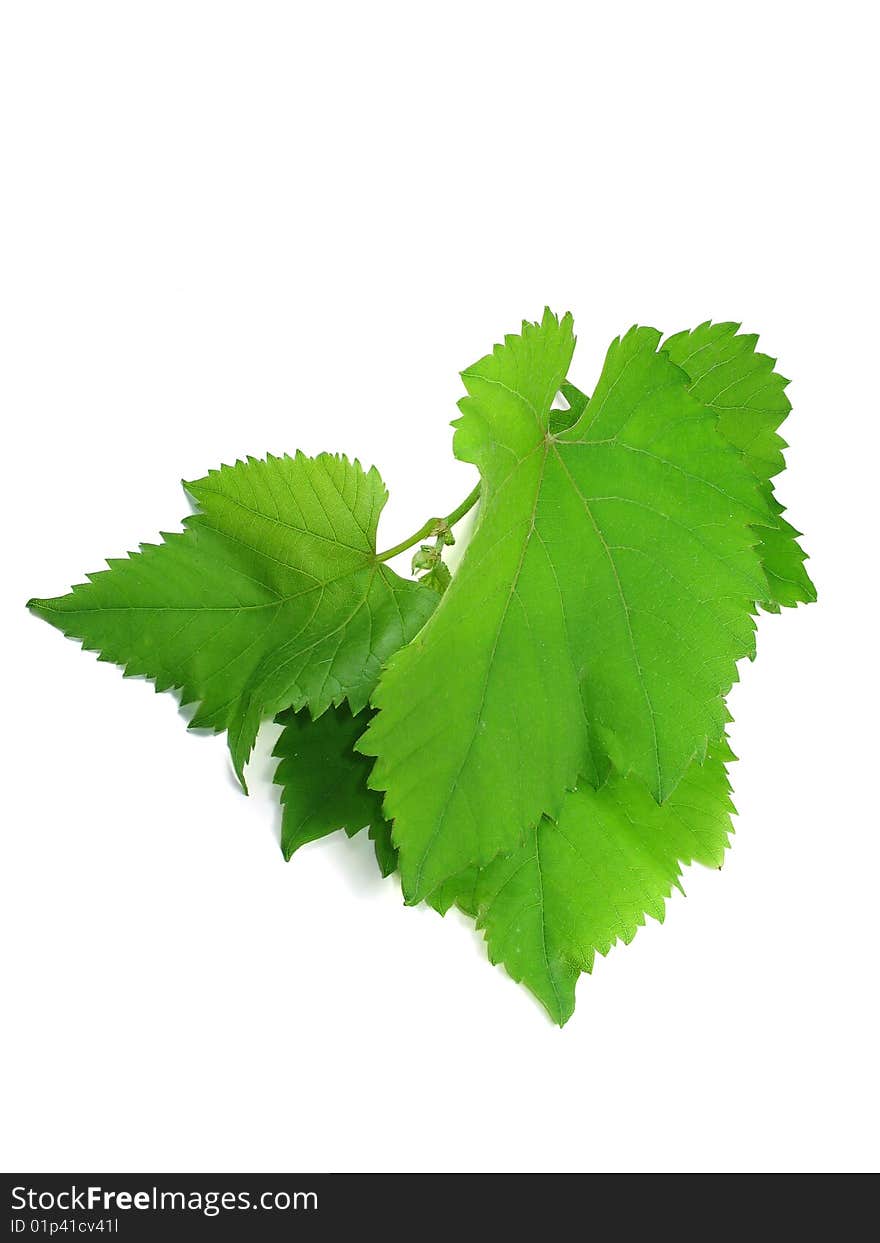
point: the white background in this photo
(232, 228)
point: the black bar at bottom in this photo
(135, 1207)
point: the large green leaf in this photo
(749, 398)
(272, 596)
(575, 887)
(324, 782)
(597, 615)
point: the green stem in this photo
(431, 526)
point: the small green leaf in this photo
(425, 558)
(438, 578)
(272, 596)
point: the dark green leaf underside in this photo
(323, 780)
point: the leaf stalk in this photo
(433, 526)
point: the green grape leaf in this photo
(597, 615)
(324, 782)
(749, 398)
(577, 886)
(271, 597)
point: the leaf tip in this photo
(40, 608)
